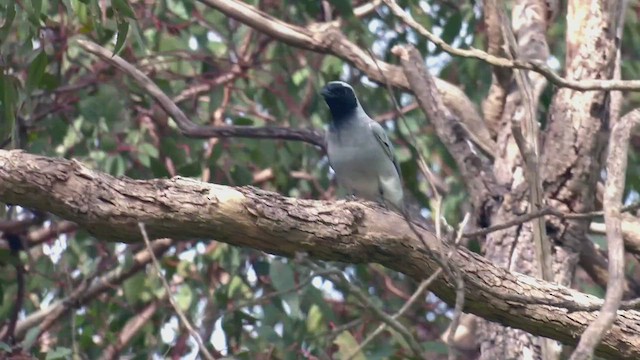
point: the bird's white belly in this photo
(360, 167)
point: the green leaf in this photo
(36, 70)
(59, 353)
(9, 97)
(6, 257)
(300, 76)
(243, 121)
(238, 287)
(281, 276)
(184, 297)
(37, 7)
(332, 66)
(344, 8)
(437, 347)
(452, 28)
(123, 30)
(193, 169)
(123, 7)
(282, 279)
(347, 345)
(133, 288)
(30, 337)
(10, 15)
(267, 333)
(148, 149)
(5, 347)
(315, 320)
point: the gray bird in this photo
(359, 150)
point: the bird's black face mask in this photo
(341, 100)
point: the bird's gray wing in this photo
(383, 139)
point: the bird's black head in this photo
(341, 99)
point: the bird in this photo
(359, 149)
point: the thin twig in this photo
(133, 326)
(533, 65)
(459, 305)
(203, 349)
(527, 137)
(414, 297)
(428, 96)
(612, 203)
(188, 127)
(339, 276)
(88, 290)
(543, 212)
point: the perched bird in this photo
(359, 150)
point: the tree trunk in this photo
(570, 163)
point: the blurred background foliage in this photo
(58, 100)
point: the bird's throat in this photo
(341, 117)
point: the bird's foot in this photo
(351, 197)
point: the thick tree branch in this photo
(352, 232)
(525, 131)
(596, 266)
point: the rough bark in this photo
(493, 104)
(579, 121)
(352, 232)
(514, 248)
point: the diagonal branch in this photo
(351, 232)
(525, 130)
(183, 318)
(132, 327)
(544, 212)
(84, 292)
(188, 127)
(480, 180)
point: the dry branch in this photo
(480, 180)
(188, 127)
(612, 203)
(132, 327)
(84, 292)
